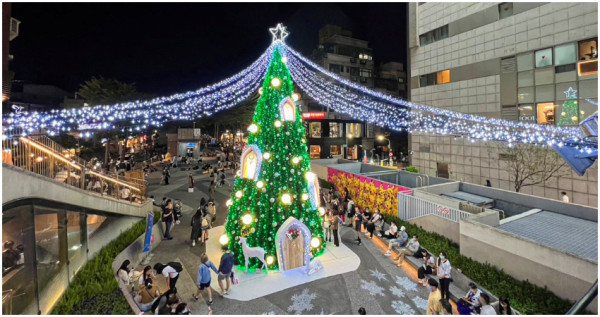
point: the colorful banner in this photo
(367, 192)
(148, 238)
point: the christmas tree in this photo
(569, 114)
(275, 181)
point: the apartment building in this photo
(507, 60)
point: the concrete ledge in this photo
(20, 184)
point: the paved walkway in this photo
(377, 285)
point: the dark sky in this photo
(175, 47)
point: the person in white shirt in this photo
(125, 192)
(486, 308)
(565, 198)
(170, 273)
(444, 274)
(391, 232)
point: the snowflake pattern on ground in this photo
(420, 302)
(397, 291)
(402, 308)
(378, 275)
(372, 287)
(302, 302)
(269, 313)
(406, 283)
(323, 312)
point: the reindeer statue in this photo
(255, 252)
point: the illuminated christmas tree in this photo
(275, 181)
(570, 110)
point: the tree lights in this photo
(280, 189)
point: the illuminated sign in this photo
(313, 115)
(191, 144)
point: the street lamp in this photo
(381, 138)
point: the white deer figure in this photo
(255, 252)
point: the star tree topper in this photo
(571, 93)
(279, 33)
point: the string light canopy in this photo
(318, 83)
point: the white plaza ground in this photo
(335, 260)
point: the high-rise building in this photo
(502, 60)
(10, 30)
(332, 134)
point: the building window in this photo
(426, 38)
(525, 79)
(336, 150)
(315, 129)
(354, 130)
(543, 57)
(588, 49)
(315, 151)
(565, 68)
(443, 77)
(427, 80)
(526, 113)
(335, 129)
(434, 35)
(365, 72)
(505, 10)
(565, 54)
(545, 113)
(587, 68)
(525, 94)
(335, 68)
(525, 62)
(365, 56)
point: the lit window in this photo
(336, 150)
(565, 54)
(443, 77)
(315, 129)
(588, 49)
(315, 152)
(545, 113)
(543, 57)
(587, 68)
(526, 113)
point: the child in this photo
(204, 278)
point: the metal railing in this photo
(582, 304)
(410, 207)
(40, 155)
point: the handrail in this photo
(583, 302)
(41, 155)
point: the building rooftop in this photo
(565, 233)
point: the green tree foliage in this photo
(103, 91)
(283, 172)
(412, 169)
(569, 114)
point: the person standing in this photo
(225, 269)
(565, 198)
(358, 218)
(190, 183)
(196, 224)
(374, 222)
(434, 307)
(327, 225)
(167, 217)
(334, 228)
(167, 175)
(211, 190)
(444, 274)
(204, 279)
(212, 213)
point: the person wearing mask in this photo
(225, 269)
(411, 248)
(391, 232)
(196, 224)
(125, 273)
(470, 302)
(444, 275)
(334, 228)
(486, 308)
(358, 218)
(351, 212)
(502, 307)
(399, 242)
(366, 217)
(168, 219)
(434, 307)
(148, 294)
(204, 279)
(373, 222)
(170, 271)
(427, 268)
(565, 198)
(182, 309)
(212, 213)
(446, 307)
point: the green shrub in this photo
(524, 296)
(411, 169)
(95, 290)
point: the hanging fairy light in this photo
(286, 199)
(253, 128)
(275, 82)
(277, 123)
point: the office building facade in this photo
(514, 61)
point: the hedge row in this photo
(95, 290)
(524, 296)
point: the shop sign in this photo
(313, 115)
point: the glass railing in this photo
(41, 155)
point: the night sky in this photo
(169, 48)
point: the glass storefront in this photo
(315, 129)
(45, 244)
(315, 151)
